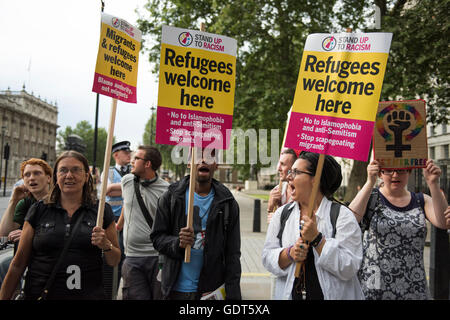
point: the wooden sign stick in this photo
(190, 216)
(280, 185)
(312, 200)
(192, 180)
(101, 205)
(312, 197)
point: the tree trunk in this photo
(358, 177)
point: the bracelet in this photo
(110, 247)
(289, 253)
(317, 240)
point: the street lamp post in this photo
(1, 158)
(151, 125)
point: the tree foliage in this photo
(85, 130)
(418, 64)
(271, 36)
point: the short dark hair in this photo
(153, 155)
(291, 152)
(331, 177)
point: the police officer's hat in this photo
(122, 145)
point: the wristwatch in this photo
(317, 240)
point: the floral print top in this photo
(393, 263)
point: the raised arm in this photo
(359, 203)
(7, 224)
(435, 205)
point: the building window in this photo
(433, 153)
(446, 155)
(432, 130)
(444, 128)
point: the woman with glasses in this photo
(50, 223)
(330, 261)
(394, 220)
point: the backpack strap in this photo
(370, 210)
(283, 218)
(420, 200)
(334, 214)
(144, 209)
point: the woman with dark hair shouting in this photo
(60, 242)
(328, 244)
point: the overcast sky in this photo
(51, 47)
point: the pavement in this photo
(256, 281)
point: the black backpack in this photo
(335, 209)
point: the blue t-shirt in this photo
(190, 272)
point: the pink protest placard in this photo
(117, 60)
(196, 88)
(338, 89)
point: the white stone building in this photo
(28, 125)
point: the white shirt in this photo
(338, 264)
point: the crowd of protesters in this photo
(370, 249)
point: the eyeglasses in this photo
(138, 158)
(391, 172)
(295, 172)
(74, 171)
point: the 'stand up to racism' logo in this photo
(185, 39)
(115, 22)
(329, 43)
(404, 122)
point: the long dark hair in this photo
(331, 177)
(89, 197)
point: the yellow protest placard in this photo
(196, 87)
(117, 60)
(337, 93)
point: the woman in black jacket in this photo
(48, 225)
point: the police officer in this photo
(122, 156)
(121, 153)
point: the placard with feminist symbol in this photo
(400, 135)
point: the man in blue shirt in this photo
(214, 238)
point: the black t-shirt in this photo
(80, 274)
